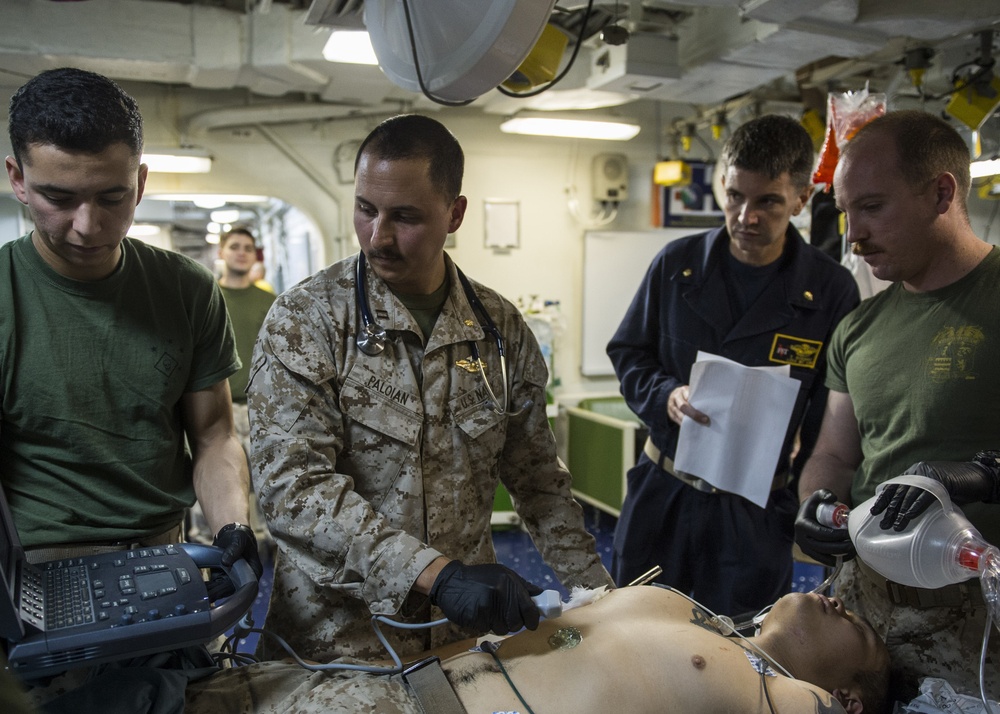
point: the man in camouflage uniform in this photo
(377, 472)
(912, 376)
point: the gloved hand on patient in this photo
(237, 541)
(820, 542)
(966, 482)
(486, 598)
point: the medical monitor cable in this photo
(548, 603)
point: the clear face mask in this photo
(941, 547)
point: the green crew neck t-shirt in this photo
(92, 374)
(923, 373)
(247, 309)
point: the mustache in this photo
(383, 255)
(858, 249)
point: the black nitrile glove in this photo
(816, 540)
(486, 598)
(965, 481)
(237, 541)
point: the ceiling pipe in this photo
(285, 113)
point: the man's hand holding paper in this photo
(747, 410)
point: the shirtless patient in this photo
(639, 649)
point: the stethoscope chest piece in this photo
(371, 339)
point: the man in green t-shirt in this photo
(247, 305)
(913, 378)
(114, 404)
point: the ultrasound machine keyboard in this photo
(68, 600)
(118, 589)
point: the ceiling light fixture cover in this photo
(570, 128)
(350, 47)
(465, 47)
(981, 169)
(178, 161)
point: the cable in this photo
(767, 694)
(746, 624)
(982, 663)
(491, 647)
(566, 69)
(241, 658)
(416, 65)
(716, 618)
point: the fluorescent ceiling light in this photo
(213, 238)
(570, 128)
(349, 46)
(979, 169)
(178, 161)
(139, 230)
(209, 202)
(228, 215)
(206, 200)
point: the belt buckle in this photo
(699, 484)
(420, 664)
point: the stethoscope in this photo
(372, 337)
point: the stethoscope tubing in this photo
(372, 337)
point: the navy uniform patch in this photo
(795, 351)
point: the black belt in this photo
(955, 595)
(666, 464)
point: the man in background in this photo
(913, 377)
(755, 292)
(247, 305)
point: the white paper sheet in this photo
(749, 409)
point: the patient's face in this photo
(828, 643)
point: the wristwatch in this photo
(234, 527)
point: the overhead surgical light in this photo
(572, 128)
(542, 63)
(350, 47)
(977, 88)
(178, 161)
(453, 51)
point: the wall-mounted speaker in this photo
(610, 177)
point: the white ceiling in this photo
(690, 57)
(724, 49)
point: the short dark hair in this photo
(926, 147)
(75, 110)
(413, 136)
(772, 145)
(240, 230)
(874, 690)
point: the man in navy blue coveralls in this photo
(754, 292)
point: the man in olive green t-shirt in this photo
(913, 378)
(247, 305)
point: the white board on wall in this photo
(614, 263)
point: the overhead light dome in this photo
(464, 48)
